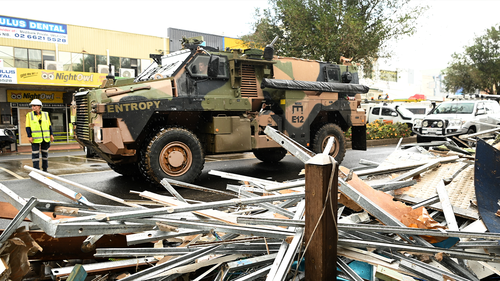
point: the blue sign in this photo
(15, 28)
(33, 25)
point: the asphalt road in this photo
(95, 173)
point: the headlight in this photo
(425, 123)
(440, 124)
(417, 123)
(456, 122)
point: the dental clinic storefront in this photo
(54, 88)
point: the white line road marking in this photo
(12, 173)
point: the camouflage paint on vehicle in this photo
(214, 102)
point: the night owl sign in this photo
(62, 78)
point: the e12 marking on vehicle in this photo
(300, 109)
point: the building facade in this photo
(51, 61)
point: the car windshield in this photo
(454, 108)
(170, 63)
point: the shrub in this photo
(380, 130)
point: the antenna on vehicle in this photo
(269, 50)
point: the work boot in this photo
(45, 170)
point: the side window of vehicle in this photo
(376, 110)
(332, 73)
(490, 108)
(387, 111)
(480, 106)
(223, 68)
(199, 66)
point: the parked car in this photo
(457, 117)
(390, 113)
(7, 136)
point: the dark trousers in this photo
(36, 148)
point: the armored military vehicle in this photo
(200, 101)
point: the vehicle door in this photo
(482, 117)
(389, 115)
(374, 114)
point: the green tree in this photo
(328, 29)
(478, 67)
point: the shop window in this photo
(89, 63)
(77, 62)
(115, 61)
(65, 58)
(48, 56)
(35, 59)
(125, 62)
(21, 57)
(7, 55)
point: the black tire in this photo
(321, 139)
(270, 155)
(470, 131)
(89, 152)
(173, 153)
(421, 139)
(127, 170)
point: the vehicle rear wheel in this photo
(173, 153)
(470, 131)
(127, 170)
(321, 139)
(270, 155)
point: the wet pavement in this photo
(60, 163)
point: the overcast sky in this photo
(445, 28)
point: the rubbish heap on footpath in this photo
(427, 212)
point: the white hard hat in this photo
(36, 102)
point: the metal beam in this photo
(418, 249)
(88, 189)
(296, 149)
(18, 219)
(265, 205)
(181, 209)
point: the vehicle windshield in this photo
(454, 108)
(170, 64)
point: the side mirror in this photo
(480, 112)
(213, 66)
(394, 114)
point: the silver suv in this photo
(453, 118)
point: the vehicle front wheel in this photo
(321, 139)
(270, 155)
(173, 153)
(471, 131)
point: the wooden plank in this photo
(320, 230)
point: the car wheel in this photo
(321, 139)
(270, 155)
(173, 153)
(470, 131)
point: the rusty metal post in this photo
(321, 255)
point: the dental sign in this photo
(14, 28)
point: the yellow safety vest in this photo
(39, 133)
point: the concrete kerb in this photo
(381, 142)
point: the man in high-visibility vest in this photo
(39, 130)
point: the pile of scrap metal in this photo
(257, 235)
